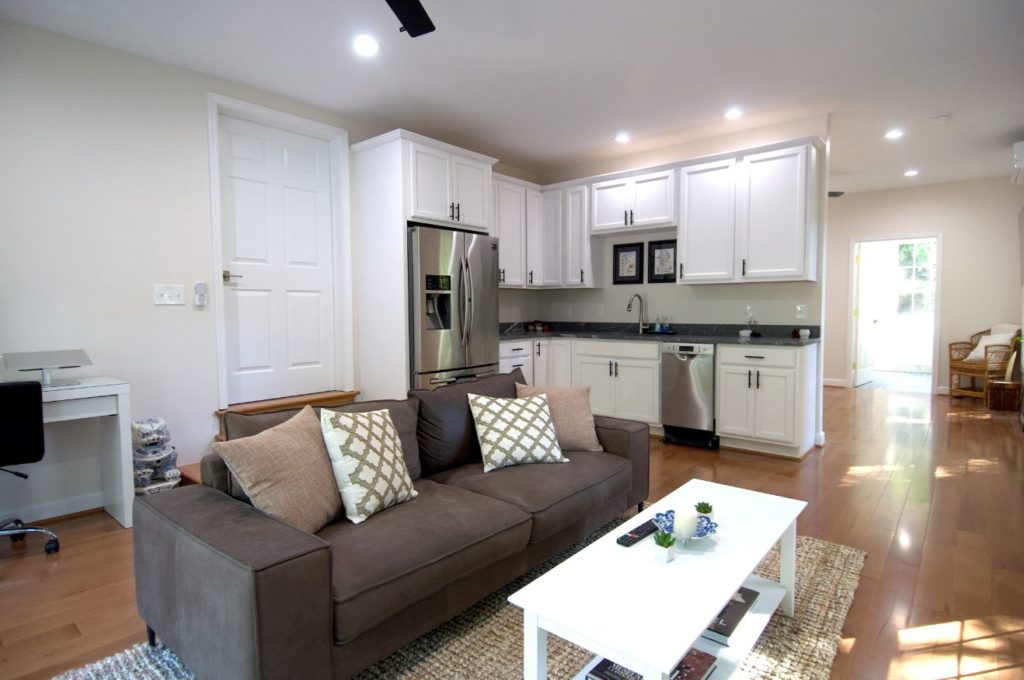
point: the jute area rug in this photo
(486, 640)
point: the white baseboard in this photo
(942, 389)
(819, 439)
(38, 512)
(834, 382)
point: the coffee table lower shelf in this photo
(770, 595)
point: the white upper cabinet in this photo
(470, 191)
(578, 264)
(641, 201)
(543, 243)
(750, 218)
(707, 222)
(447, 186)
(772, 216)
(431, 190)
(510, 228)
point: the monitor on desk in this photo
(46, 362)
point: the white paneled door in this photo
(277, 261)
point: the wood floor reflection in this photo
(932, 490)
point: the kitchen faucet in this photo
(629, 308)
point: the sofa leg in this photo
(151, 636)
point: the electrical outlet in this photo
(801, 311)
(168, 294)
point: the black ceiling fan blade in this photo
(412, 16)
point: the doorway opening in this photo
(893, 320)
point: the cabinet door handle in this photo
(581, 276)
(609, 369)
(680, 270)
(744, 266)
(538, 349)
(616, 369)
(625, 218)
(748, 380)
(517, 365)
(458, 212)
(531, 277)
(759, 380)
(631, 217)
(752, 356)
(451, 211)
(518, 349)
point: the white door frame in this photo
(851, 350)
(341, 233)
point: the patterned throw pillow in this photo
(366, 455)
(514, 431)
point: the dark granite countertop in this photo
(779, 336)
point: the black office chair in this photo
(21, 441)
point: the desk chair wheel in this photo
(16, 524)
(52, 546)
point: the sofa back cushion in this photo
(447, 437)
(404, 414)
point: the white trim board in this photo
(341, 242)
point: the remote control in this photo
(638, 534)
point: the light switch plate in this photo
(801, 311)
(168, 294)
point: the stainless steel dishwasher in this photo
(688, 393)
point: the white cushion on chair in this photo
(1001, 328)
(978, 353)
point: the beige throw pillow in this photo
(286, 472)
(514, 431)
(570, 411)
(366, 455)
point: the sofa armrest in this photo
(235, 593)
(629, 439)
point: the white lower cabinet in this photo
(552, 363)
(624, 378)
(765, 397)
(516, 354)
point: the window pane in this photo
(904, 304)
(908, 273)
(906, 254)
(923, 273)
(918, 302)
(929, 302)
(922, 253)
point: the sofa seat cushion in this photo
(556, 496)
(407, 552)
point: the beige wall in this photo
(105, 192)
(980, 266)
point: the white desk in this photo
(102, 398)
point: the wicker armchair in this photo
(971, 378)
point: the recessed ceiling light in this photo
(910, 173)
(894, 133)
(734, 112)
(622, 137)
(365, 45)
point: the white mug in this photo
(805, 333)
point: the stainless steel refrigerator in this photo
(453, 305)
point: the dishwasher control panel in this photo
(687, 348)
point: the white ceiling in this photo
(544, 84)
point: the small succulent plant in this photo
(666, 522)
(704, 507)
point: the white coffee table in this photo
(624, 605)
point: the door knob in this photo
(227, 275)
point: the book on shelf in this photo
(696, 665)
(724, 625)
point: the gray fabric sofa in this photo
(238, 594)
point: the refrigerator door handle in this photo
(463, 311)
(471, 304)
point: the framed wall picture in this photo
(628, 263)
(661, 260)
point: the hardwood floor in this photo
(933, 491)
